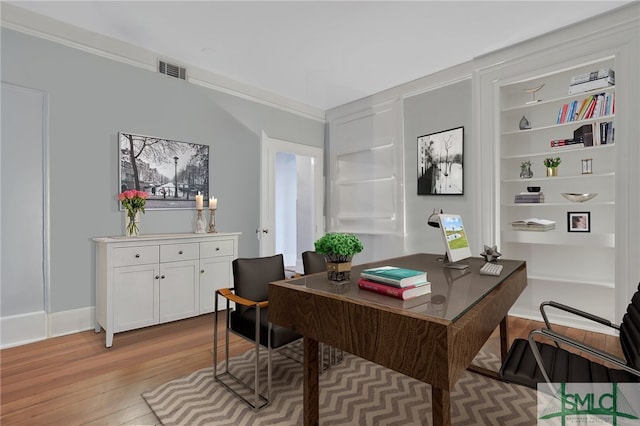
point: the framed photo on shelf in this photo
(579, 221)
(440, 163)
(171, 172)
(587, 166)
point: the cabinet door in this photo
(215, 273)
(135, 297)
(179, 292)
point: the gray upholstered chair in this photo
(313, 262)
(530, 362)
(250, 319)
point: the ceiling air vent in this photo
(172, 70)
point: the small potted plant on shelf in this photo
(552, 165)
(338, 249)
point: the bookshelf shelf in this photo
(555, 126)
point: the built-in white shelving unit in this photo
(557, 257)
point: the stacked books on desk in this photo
(400, 283)
(529, 197)
(533, 224)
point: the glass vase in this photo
(132, 223)
(338, 268)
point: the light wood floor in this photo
(76, 380)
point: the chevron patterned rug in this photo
(354, 392)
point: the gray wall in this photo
(91, 99)
(433, 111)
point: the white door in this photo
(274, 188)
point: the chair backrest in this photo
(251, 276)
(630, 332)
(313, 262)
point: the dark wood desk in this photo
(432, 338)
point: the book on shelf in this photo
(591, 85)
(564, 142)
(592, 106)
(529, 197)
(404, 293)
(392, 275)
(533, 224)
(593, 75)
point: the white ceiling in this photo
(326, 53)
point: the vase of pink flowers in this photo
(133, 202)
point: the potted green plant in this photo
(338, 249)
(552, 165)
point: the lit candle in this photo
(213, 203)
(198, 201)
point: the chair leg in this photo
(256, 384)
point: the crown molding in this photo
(27, 22)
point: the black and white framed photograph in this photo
(440, 163)
(171, 172)
(579, 221)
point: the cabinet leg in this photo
(98, 328)
(109, 339)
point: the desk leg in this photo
(311, 409)
(441, 402)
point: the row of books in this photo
(400, 283)
(529, 197)
(533, 224)
(593, 106)
(597, 79)
(593, 134)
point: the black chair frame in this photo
(536, 337)
(259, 400)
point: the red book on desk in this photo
(404, 293)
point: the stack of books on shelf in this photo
(533, 224)
(529, 197)
(594, 106)
(592, 80)
(400, 283)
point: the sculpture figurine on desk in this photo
(490, 254)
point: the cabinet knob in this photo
(162, 276)
(180, 252)
(157, 277)
(137, 256)
(217, 248)
(202, 271)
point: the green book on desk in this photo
(392, 275)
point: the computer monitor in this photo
(455, 240)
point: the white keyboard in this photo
(490, 268)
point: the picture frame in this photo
(587, 165)
(171, 172)
(579, 221)
(441, 162)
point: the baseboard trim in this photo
(22, 329)
(573, 322)
(73, 321)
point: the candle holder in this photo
(200, 224)
(212, 221)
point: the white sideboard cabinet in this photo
(152, 279)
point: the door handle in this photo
(264, 231)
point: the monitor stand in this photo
(452, 265)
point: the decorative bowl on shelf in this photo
(579, 198)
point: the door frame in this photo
(268, 148)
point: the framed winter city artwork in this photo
(171, 172)
(440, 163)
